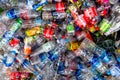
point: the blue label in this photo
(35, 6)
(95, 61)
(43, 57)
(11, 14)
(53, 55)
(79, 66)
(8, 34)
(8, 61)
(104, 57)
(25, 63)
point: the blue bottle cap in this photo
(13, 52)
(11, 14)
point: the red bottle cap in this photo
(24, 15)
(14, 42)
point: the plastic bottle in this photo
(53, 15)
(28, 45)
(116, 8)
(114, 27)
(106, 24)
(10, 58)
(89, 45)
(26, 64)
(10, 14)
(9, 33)
(97, 64)
(27, 14)
(40, 60)
(3, 29)
(39, 5)
(114, 70)
(44, 48)
(58, 7)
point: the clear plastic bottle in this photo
(53, 15)
(9, 15)
(44, 48)
(27, 14)
(9, 33)
(116, 8)
(114, 27)
(26, 64)
(10, 58)
(58, 7)
(97, 64)
(92, 47)
(3, 29)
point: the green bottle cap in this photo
(19, 20)
(70, 27)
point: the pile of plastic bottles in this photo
(59, 40)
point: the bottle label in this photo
(33, 31)
(48, 33)
(15, 27)
(60, 7)
(47, 47)
(81, 21)
(8, 35)
(104, 25)
(90, 12)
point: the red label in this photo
(60, 7)
(90, 12)
(81, 21)
(15, 76)
(48, 33)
